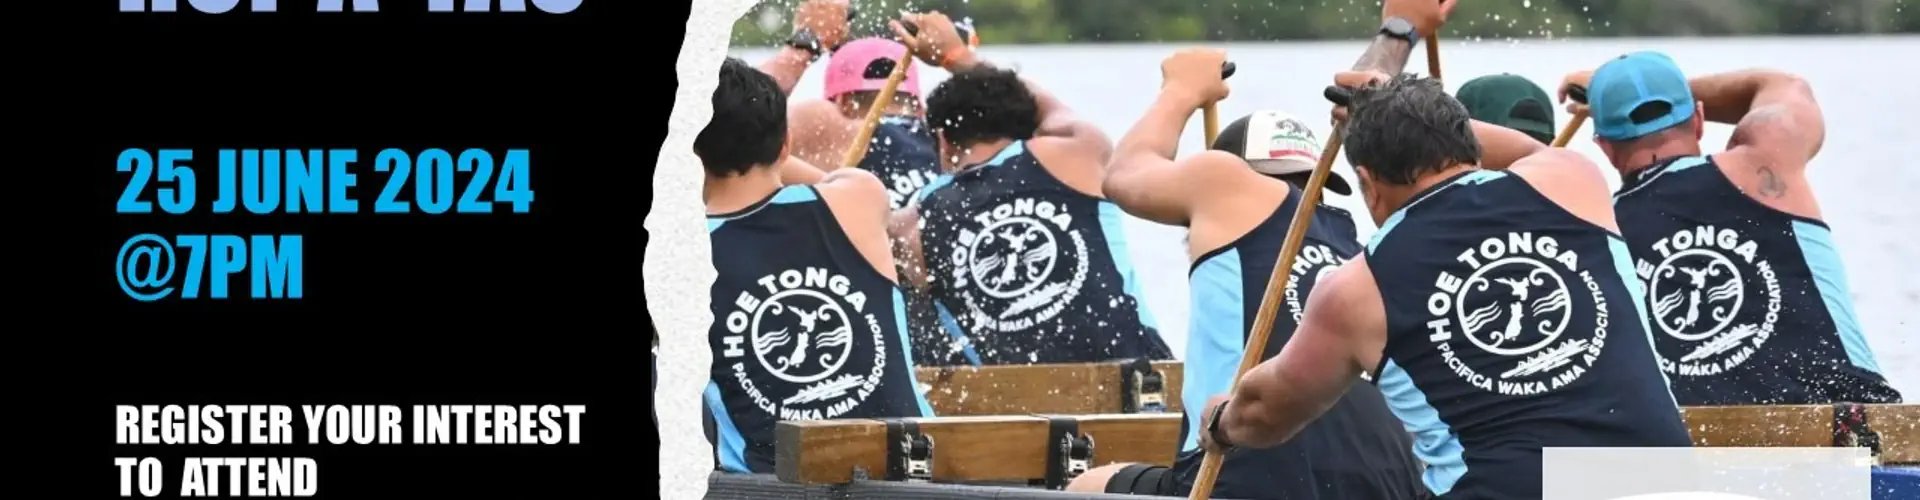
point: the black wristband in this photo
(1403, 29)
(805, 40)
(1214, 430)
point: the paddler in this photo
(1017, 245)
(1236, 202)
(807, 316)
(1494, 307)
(1745, 286)
(901, 152)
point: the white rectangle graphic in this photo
(1706, 474)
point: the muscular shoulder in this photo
(1347, 303)
(1571, 181)
(856, 197)
(1072, 161)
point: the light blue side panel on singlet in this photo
(732, 446)
(1113, 226)
(1433, 441)
(795, 194)
(1823, 260)
(906, 348)
(1216, 336)
(1623, 265)
(959, 334)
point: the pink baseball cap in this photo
(847, 69)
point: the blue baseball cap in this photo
(1624, 84)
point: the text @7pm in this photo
(146, 265)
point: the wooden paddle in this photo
(1211, 112)
(1578, 94)
(1433, 55)
(857, 150)
(1277, 284)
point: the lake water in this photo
(1869, 189)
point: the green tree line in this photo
(1124, 21)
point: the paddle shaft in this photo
(857, 150)
(1276, 289)
(1433, 56)
(1211, 113)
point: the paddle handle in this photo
(1211, 112)
(857, 150)
(1433, 55)
(1578, 94)
(1275, 294)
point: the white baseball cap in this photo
(1276, 143)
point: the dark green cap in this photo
(1512, 102)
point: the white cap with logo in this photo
(1276, 143)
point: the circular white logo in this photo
(1516, 309)
(1527, 309)
(817, 351)
(1022, 265)
(1011, 257)
(1712, 296)
(1690, 308)
(801, 335)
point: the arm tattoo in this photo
(1770, 184)
(1386, 55)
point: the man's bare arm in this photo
(1283, 394)
(1385, 55)
(787, 66)
(1501, 146)
(1773, 112)
(904, 226)
(1143, 178)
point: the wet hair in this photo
(1406, 127)
(749, 127)
(983, 104)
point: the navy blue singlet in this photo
(804, 328)
(1750, 304)
(1026, 270)
(1512, 326)
(1358, 448)
(902, 154)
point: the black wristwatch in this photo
(1400, 28)
(807, 41)
(1213, 426)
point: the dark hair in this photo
(1406, 127)
(983, 104)
(749, 126)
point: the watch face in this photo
(1398, 27)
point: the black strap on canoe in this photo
(1850, 428)
(909, 453)
(1069, 453)
(1143, 389)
